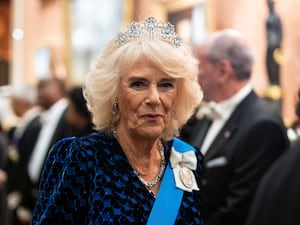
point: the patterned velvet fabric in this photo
(88, 180)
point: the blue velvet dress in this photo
(89, 180)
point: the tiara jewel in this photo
(150, 28)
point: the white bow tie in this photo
(210, 110)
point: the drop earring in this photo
(174, 114)
(115, 109)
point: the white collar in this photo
(57, 108)
(227, 106)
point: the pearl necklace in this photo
(150, 184)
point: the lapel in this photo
(192, 130)
(199, 131)
(231, 126)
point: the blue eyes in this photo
(164, 85)
(137, 84)
(167, 85)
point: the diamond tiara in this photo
(150, 28)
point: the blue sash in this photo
(168, 200)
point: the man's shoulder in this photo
(261, 109)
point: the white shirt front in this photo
(224, 109)
(49, 119)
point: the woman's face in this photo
(146, 101)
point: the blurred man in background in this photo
(239, 134)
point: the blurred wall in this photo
(44, 26)
(249, 17)
(4, 41)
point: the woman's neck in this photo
(143, 154)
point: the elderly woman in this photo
(141, 90)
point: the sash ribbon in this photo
(178, 178)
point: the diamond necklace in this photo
(150, 184)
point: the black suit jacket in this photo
(249, 142)
(16, 169)
(3, 202)
(277, 200)
(25, 147)
(18, 180)
(30, 188)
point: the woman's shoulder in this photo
(85, 145)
